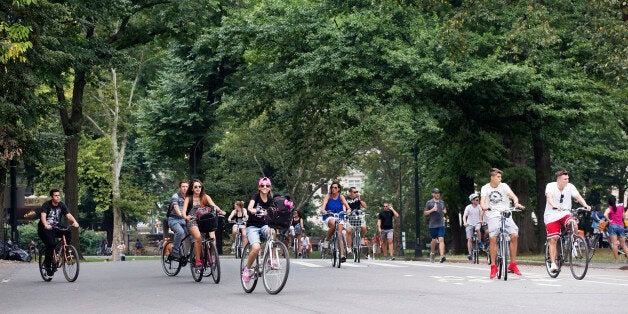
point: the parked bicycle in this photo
(503, 245)
(570, 248)
(275, 259)
(593, 241)
(64, 256)
(355, 219)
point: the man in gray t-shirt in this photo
(436, 210)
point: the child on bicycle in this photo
(256, 225)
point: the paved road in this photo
(313, 287)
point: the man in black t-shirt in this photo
(50, 216)
(385, 228)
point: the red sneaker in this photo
(513, 268)
(493, 271)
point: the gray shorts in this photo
(495, 223)
(386, 234)
(470, 228)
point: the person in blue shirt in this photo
(335, 203)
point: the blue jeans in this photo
(179, 227)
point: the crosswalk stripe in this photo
(306, 264)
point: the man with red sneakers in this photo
(496, 197)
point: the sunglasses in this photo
(265, 186)
(198, 187)
(561, 198)
(334, 187)
(355, 191)
(476, 199)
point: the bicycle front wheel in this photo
(70, 260)
(42, 268)
(548, 259)
(593, 243)
(276, 267)
(249, 285)
(170, 266)
(214, 262)
(578, 257)
(197, 272)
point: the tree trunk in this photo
(521, 188)
(542, 170)
(3, 185)
(72, 126)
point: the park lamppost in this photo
(418, 250)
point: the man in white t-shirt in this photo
(471, 220)
(557, 205)
(495, 199)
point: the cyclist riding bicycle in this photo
(239, 214)
(472, 220)
(296, 230)
(557, 205)
(176, 222)
(495, 198)
(196, 201)
(256, 226)
(335, 203)
(355, 204)
(50, 216)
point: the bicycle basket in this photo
(355, 220)
(279, 218)
(207, 222)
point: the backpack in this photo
(280, 212)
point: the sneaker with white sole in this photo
(431, 257)
(553, 268)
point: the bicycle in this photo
(355, 219)
(237, 243)
(570, 247)
(275, 265)
(336, 242)
(503, 245)
(475, 246)
(64, 256)
(295, 242)
(172, 266)
(210, 260)
(593, 242)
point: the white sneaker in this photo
(553, 268)
(325, 244)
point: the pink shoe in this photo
(246, 275)
(198, 264)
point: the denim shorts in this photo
(253, 233)
(617, 230)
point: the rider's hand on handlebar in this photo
(75, 224)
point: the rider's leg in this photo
(330, 228)
(196, 234)
(493, 249)
(552, 248)
(513, 247)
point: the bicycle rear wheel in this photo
(70, 260)
(238, 245)
(579, 257)
(249, 286)
(42, 268)
(548, 260)
(475, 249)
(214, 262)
(276, 267)
(170, 266)
(339, 244)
